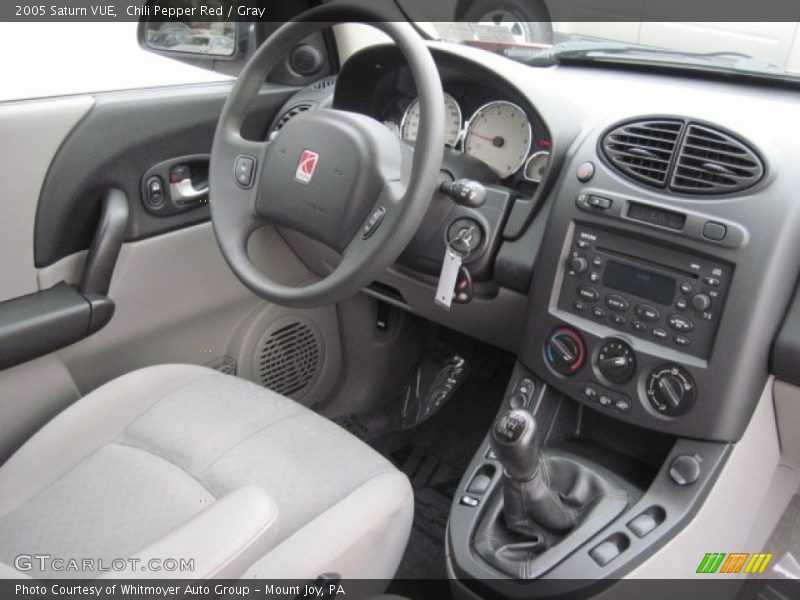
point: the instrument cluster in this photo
(499, 133)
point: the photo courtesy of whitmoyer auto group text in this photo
(400, 300)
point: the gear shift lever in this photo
(547, 499)
(528, 502)
(516, 442)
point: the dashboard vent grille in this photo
(712, 162)
(324, 84)
(643, 150)
(288, 116)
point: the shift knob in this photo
(515, 440)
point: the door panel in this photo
(176, 299)
(117, 143)
(31, 134)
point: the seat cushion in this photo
(133, 460)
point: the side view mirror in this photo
(214, 45)
(210, 39)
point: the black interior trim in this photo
(123, 135)
(785, 356)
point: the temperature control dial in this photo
(565, 351)
(616, 361)
(671, 390)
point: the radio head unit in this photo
(663, 295)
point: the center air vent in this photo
(713, 162)
(689, 158)
(644, 150)
(288, 116)
(289, 358)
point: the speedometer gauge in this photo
(499, 134)
(452, 121)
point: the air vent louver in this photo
(713, 162)
(644, 150)
(689, 158)
(289, 359)
(288, 116)
(324, 84)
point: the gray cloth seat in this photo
(181, 460)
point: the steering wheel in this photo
(338, 177)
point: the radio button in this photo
(682, 340)
(680, 323)
(711, 281)
(617, 303)
(660, 333)
(686, 288)
(578, 265)
(583, 244)
(701, 302)
(597, 261)
(594, 277)
(647, 313)
(580, 307)
(640, 327)
(588, 294)
(622, 405)
(682, 304)
(599, 313)
(618, 320)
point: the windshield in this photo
(751, 48)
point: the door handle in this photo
(183, 192)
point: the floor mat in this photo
(434, 456)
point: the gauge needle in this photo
(483, 137)
(497, 141)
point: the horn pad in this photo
(324, 172)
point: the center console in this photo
(649, 324)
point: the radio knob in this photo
(565, 351)
(616, 361)
(579, 265)
(701, 302)
(671, 390)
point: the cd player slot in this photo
(645, 263)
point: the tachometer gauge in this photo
(499, 134)
(536, 167)
(452, 121)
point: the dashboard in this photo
(640, 237)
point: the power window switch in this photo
(605, 553)
(479, 484)
(642, 525)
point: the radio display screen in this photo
(645, 284)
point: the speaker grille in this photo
(289, 359)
